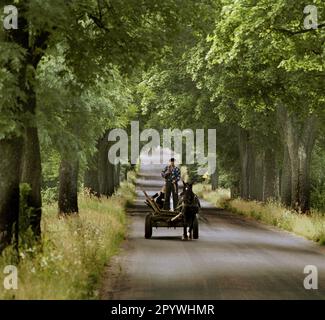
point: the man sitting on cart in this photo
(172, 175)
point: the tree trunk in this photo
(215, 180)
(270, 175)
(107, 175)
(306, 146)
(244, 159)
(11, 146)
(31, 164)
(255, 172)
(31, 173)
(235, 190)
(102, 175)
(292, 144)
(285, 184)
(68, 188)
(91, 175)
(257, 183)
(299, 138)
(252, 187)
(103, 165)
(110, 178)
(10, 159)
(91, 181)
(117, 180)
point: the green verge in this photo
(311, 226)
(74, 250)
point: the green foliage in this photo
(50, 195)
(192, 173)
(74, 119)
(251, 57)
(25, 213)
(127, 192)
(50, 164)
(10, 62)
(80, 53)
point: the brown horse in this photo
(190, 207)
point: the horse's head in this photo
(188, 193)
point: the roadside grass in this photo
(132, 176)
(74, 250)
(311, 226)
(217, 197)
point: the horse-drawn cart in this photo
(165, 218)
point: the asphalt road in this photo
(234, 258)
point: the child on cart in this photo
(159, 197)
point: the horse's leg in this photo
(185, 237)
(191, 229)
(184, 228)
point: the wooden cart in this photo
(165, 218)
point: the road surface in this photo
(235, 258)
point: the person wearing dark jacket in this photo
(172, 175)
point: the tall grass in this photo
(311, 226)
(74, 250)
(217, 198)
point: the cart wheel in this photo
(148, 227)
(196, 228)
